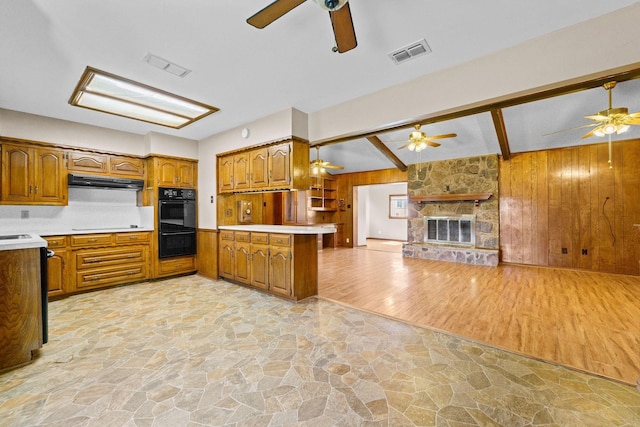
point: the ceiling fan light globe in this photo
(322, 170)
(331, 5)
(609, 129)
(599, 132)
(422, 146)
(315, 170)
(411, 146)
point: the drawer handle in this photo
(92, 240)
(93, 260)
(133, 238)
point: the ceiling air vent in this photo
(410, 51)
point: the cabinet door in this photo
(226, 267)
(259, 168)
(187, 174)
(57, 273)
(167, 171)
(92, 163)
(260, 266)
(225, 174)
(49, 182)
(241, 171)
(17, 170)
(243, 262)
(126, 166)
(279, 166)
(280, 271)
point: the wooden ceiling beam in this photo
(387, 152)
(501, 133)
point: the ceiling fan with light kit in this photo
(419, 140)
(339, 12)
(319, 166)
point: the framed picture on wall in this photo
(398, 206)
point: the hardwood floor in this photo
(584, 320)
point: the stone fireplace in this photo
(454, 212)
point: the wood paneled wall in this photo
(347, 181)
(567, 208)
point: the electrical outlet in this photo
(24, 214)
(347, 240)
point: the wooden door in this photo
(187, 175)
(92, 163)
(225, 256)
(260, 266)
(259, 168)
(17, 172)
(241, 171)
(280, 271)
(49, 182)
(225, 174)
(167, 171)
(57, 273)
(126, 166)
(280, 166)
(242, 261)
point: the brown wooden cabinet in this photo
(57, 266)
(282, 165)
(282, 264)
(172, 172)
(33, 175)
(175, 266)
(91, 163)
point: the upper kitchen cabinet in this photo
(277, 166)
(33, 175)
(172, 172)
(83, 162)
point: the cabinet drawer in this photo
(106, 257)
(227, 235)
(56, 242)
(243, 236)
(260, 238)
(176, 265)
(280, 239)
(110, 275)
(133, 237)
(91, 240)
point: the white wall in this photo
(362, 213)
(380, 225)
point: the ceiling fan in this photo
(419, 140)
(339, 12)
(612, 120)
(319, 166)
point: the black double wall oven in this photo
(176, 222)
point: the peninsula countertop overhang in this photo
(21, 241)
(285, 229)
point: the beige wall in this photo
(607, 42)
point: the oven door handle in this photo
(176, 232)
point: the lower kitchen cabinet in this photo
(58, 266)
(285, 265)
(176, 266)
(108, 266)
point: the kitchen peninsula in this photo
(281, 260)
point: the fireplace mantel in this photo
(448, 197)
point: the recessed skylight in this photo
(101, 91)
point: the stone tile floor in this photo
(196, 352)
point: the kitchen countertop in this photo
(21, 241)
(69, 231)
(286, 229)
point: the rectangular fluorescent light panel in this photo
(108, 93)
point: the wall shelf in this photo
(464, 197)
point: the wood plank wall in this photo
(567, 208)
(347, 181)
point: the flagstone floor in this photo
(192, 351)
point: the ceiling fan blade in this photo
(402, 146)
(333, 167)
(343, 29)
(634, 115)
(589, 134)
(272, 12)
(432, 144)
(570, 129)
(446, 135)
(597, 117)
(632, 121)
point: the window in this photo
(398, 206)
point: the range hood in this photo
(105, 182)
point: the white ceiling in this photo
(249, 73)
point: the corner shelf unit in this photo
(323, 194)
